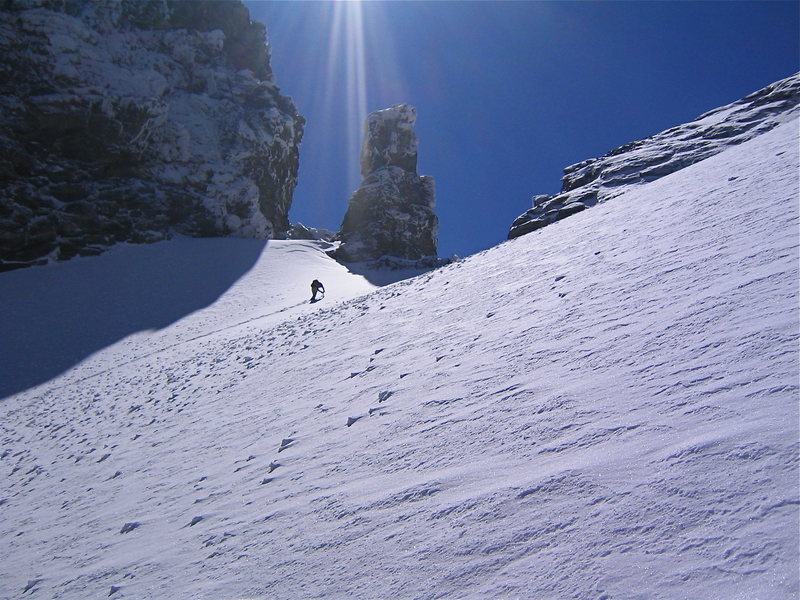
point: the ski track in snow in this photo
(603, 409)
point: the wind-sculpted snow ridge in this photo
(604, 409)
(599, 179)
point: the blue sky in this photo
(508, 93)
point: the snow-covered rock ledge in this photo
(130, 120)
(598, 179)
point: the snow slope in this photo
(606, 408)
(124, 301)
(597, 180)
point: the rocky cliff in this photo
(599, 179)
(133, 120)
(391, 214)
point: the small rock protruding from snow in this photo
(285, 443)
(128, 527)
(299, 231)
(351, 420)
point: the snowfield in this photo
(604, 409)
(59, 315)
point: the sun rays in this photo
(341, 62)
(347, 56)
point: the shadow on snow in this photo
(55, 316)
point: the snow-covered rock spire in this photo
(391, 214)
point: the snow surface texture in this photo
(605, 409)
(596, 180)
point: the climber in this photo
(316, 286)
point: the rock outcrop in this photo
(391, 214)
(132, 120)
(599, 179)
(303, 232)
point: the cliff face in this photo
(599, 179)
(391, 214)
(128, 121)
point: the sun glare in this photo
(345, 64)
(346, 51)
